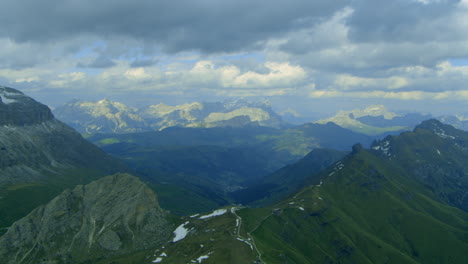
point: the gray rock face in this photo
(32, 142)
(113, 216)
(17, 109)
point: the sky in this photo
(308, 55)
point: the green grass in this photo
(108, 141)
(368, 213)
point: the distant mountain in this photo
(103, 116)
(106, 116)
(108, 218)
(40, 156)
(352, 120)
(459, 121)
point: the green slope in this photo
(365, 212)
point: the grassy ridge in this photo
(362, 213)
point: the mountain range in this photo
(106, 116)
(398, 199)
(367, 207)
(378, 120)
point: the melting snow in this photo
(441, 133)
(180, 232)
(301, 208)
(247, 242)
(438, 152)
(8, 100)
(157, 260)
(384, 147)
(201, 258)
(163, 254)
(195, 215)
(214, 213)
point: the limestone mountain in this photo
(112, 217)
(375, 120)
(106, 116)
(40, 155)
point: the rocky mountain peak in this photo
(112, 216)
(17, 109)
(438, 128)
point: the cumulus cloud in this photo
(398, 49)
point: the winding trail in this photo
(250, 241)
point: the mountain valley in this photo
(253, 193)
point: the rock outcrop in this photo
(33, 143)
(112, 216)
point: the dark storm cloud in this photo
(99, 62)
(143, 63)
(204, 25)
(402, 20)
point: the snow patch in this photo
(195, 215)
(214, 213)
(247, 242)
(201, 258)
(157, 260)
(441, 133)
(301, 208)
(438, 152)
(8, 100)
(383, 147)
(9, 97)
(181, 232)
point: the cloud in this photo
(99, 62)
(412, 95)
(348, 82)
(398, 49)
(206, 25)
(143, 62)
(278, 75)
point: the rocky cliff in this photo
(113, 216)
(33, 143)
